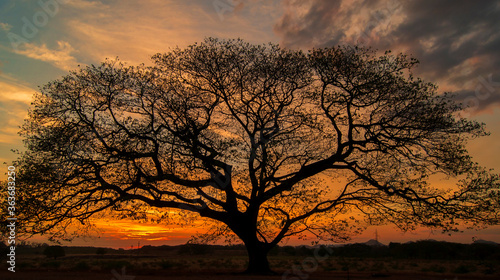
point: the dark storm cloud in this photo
(459, 30)
(298, 29)
(317, 23)
(484, 94)
(457, 42)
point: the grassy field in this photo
(228, 264)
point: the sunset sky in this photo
(456, 42)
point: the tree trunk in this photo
(257, 258)
(245, 227)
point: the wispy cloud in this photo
(61, 57)
(123, 229)
(134, 31)
(15, 99)
(5, 26)
(14, 90)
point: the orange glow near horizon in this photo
(124, 233)
(125, 230)
(127, 234)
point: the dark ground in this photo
(196, 263)
(185, 275)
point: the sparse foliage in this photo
(267, 142)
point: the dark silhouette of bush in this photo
(54, 252)
(166, 264)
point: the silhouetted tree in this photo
(265, 141)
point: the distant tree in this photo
(264, 141)
(101, 251)
(54, 252)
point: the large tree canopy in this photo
(268, 142)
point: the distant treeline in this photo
(433, 250)
(427, 249)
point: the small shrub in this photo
(165, 264)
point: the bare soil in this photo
(224, 265)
